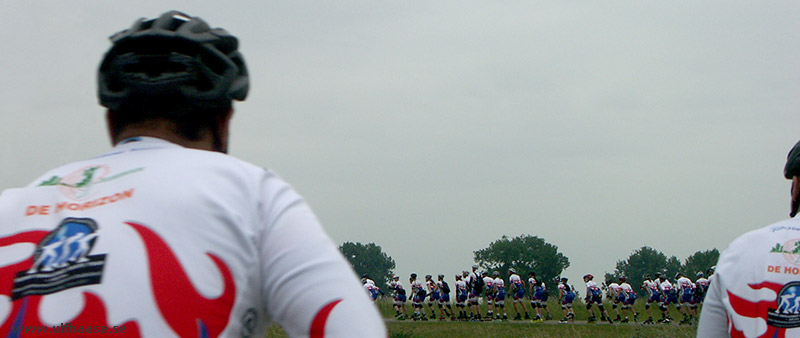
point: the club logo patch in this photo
(78, 185)
(787, 315)
(62, 260)
(790, 250)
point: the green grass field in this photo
(526, 329)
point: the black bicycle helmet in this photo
(175, 59)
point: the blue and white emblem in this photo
(787, 314)
(62, 260)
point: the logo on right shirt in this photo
(787, 315)
(790, 250)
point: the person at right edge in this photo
(755, 289)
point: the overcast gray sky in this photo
(432, 128)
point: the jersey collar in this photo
(141, 143)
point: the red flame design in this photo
(93, 313)
(187, 312)
(317, 329)
(180, 304)
(746, 308)
(7, 272)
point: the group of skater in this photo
(685, 295)
(469, 287)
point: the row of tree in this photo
(647, 261)
(530, 253)
(369, 259)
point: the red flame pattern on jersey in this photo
(746, 308)
(186, 311)
(25, 311)
(317, 329)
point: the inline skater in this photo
(446, 310)
(566, 295)
(500, 296)
(399, 298)
(594, 295)
(417, 298)
(518, 293)
(627, 298)
(654, 295)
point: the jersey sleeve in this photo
(308, 287)
(714, 316)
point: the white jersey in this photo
(499, 284)
(614, 289)
(431, 285)
(755, 291)
(665, 286)
(370, 288)
(461, 285)
(168, 241)
(701, 283)
(471, 280)
(562, 288)
(684, 284)
(416, 285)
(489, 282)
(515, 281)
(650, 286)
(626, 288)
(591, 287)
